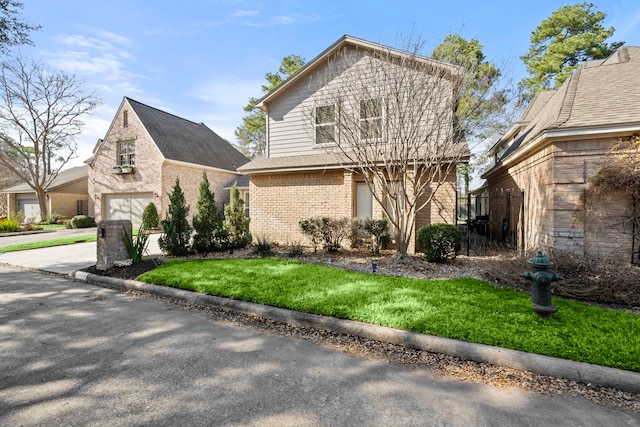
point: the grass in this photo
(464, 309)
(49, 243)
(51, 226)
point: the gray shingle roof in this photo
(63, 178)
(603, 93)
(183, 140)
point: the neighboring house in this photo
(242, 184)
(66, 195)
(545, 161)
(301, 175)
(159, 147)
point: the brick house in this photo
(302, 174)
(552, 153)
(159, 147)
(65, 195)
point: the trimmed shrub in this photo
(177, 232)
(9, 225)
(54, 218)
(150, 217)
(210, 234)
(235, 223)
(329, 231)
(439, 242)
(311, 228)
(82, 221)
(378, 232)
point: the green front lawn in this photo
(464, 309)
(48, 243)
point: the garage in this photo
(127, 206)
(28, 204)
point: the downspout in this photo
(266, 128)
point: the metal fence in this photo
(489, 223)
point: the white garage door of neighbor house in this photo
(127, 206)
(30, 207)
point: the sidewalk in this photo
(59, 259)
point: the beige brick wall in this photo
(65, 203)
(554, 180)
(190, 178)
(280, 201)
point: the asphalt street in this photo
(77, 354)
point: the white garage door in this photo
(30, 207)
(127, 206)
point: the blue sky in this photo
(203, 59)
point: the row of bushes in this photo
(438, 242)
(14, 221)
(330, 232)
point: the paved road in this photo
(77, 354)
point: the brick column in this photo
(110, 244)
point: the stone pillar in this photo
(110, 244)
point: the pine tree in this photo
(235, 222)
(177, 231)
(208, 221)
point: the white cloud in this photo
(245, 13)
(100, 57)
(295, 19)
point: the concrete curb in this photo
(544, 365)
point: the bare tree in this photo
(393, 118)
(40, 118)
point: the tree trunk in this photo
(42, 201)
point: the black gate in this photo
(491, 222)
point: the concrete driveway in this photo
(59, 259)
(77, 354)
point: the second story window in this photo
(127, 153)
(370, 119)
(125, 119)
(325, 124)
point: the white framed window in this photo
(370, 119)
(127, 153)
(364, 201)
(325, 124)
(125, 118)
(246, 204)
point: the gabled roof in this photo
(601, 97)
(63, 178)
(185, 141)
(343, 41)
(241, 181)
